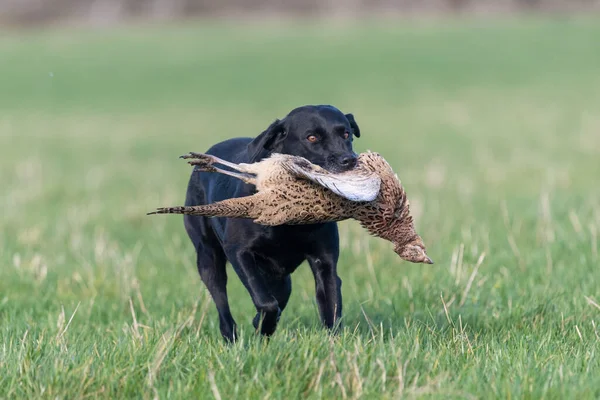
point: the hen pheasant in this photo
(291, 190)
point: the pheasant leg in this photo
(210, 159)
(244, 177)
(205, 164)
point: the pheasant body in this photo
(293, 191)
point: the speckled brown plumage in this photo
(291, 190)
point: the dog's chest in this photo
(285, 248)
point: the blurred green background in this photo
(492, 124)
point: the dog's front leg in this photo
(328, 287)
(266, 304)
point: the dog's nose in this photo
(348, 161)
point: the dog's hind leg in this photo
(211, 266)
(211, 263)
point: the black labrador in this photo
(264, 257)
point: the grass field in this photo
(493, 127)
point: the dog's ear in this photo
(267, 142)
(353, 125)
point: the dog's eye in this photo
(312, 138)
(346, 135)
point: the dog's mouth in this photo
(336, 168)
(325, 164)
(331, 164)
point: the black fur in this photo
(264, 257)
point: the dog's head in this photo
(322, 134)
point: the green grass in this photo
(493, 127)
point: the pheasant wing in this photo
(356, 185)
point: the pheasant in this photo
(291, 190)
